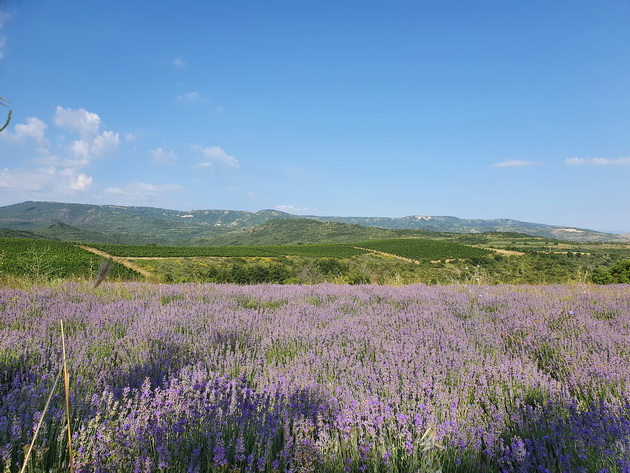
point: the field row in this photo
(413, 248)
(52, 259)
(313, 263)
(421, 249)
(148, 251)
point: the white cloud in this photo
(292, 209)
(190, 97)
(142, 192)
(81, 121)
(87, 125)
(514, 163)
(101, 145)
(179, 62)
(34, 128)
(48, 183)
(216, 154)
(79, 182)
(81, 149)
(162, 157)
(4, 17)
(597, 161)
(54, 169)
(105, 143)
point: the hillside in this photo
(459, 225)
(296, 231)
(143, 225)
(8, 233)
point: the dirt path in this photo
(124, 261)
(507, 252)
(504, 252)
(387, 254)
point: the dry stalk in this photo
(66, 377)
(103, 271)
(39, 424)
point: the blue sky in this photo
(475, 109)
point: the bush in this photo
(618, 274)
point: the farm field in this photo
(424, 249)
(322, 378)
(46, 259)
(432, 262)
(148, 251)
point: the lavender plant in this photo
(318, 378)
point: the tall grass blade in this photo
(2, 102)
(66, 377)
(39, 424)
(103, 271)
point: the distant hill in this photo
(8, 233)
(294, 231)
(64, 232)
(118, 224)
(459, 225)
(143, 225)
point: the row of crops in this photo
(424, 249)
(414, 248)
(54, 259)
(51, 259)
(152, 251)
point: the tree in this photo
(621, 272)
(4, 102)
(618, 274)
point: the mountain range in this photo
(144, 225)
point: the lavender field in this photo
(325, 378)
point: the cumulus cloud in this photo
(162, 157)
(216, 154)
(81, 149)
(44, 183)
(105, 143)
(92, 144)
(101, 145)
(49, 166)
(77, 182)
(85, 123)
(190, 97)
(34, 128)
(514, 163)
(597, 161)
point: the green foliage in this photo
(424, 249)
(148, 251)
(155, 251)
(332, 266)
(45, 260)
(322, 250)
(442, 261)
(617, 274)
(119, 224)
